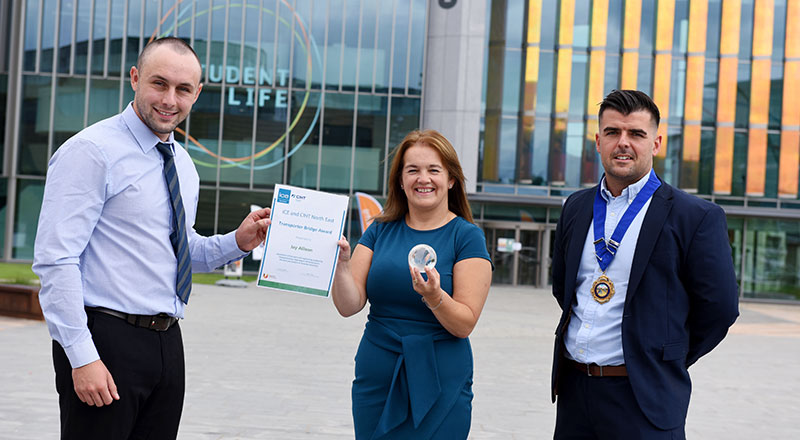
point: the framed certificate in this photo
(301, 250)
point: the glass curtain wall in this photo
(312, 93)
(723, 74)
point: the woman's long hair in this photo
(396, 201)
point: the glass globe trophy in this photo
(422, 256)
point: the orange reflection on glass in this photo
(532, 55)
(630, 44)
(690, 165)
(790, 118)
(762, 27)
(564, 72)
(663, 66)
(597, 61)
(789, 161)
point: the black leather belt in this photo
(598, 370)
(159, 323)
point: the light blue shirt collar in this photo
(628, 193)
(144, 136)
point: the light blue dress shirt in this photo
(103, 235)
(594, 334)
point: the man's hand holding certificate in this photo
(301, 251)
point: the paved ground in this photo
(269, 365)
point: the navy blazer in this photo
(682, 294)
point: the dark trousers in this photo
(602, 408)
(148, 369)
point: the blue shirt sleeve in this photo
(471, 243)
(370, 236)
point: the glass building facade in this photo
(310, 93)
(315, 93)
(724, 75)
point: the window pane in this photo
(26, 217)
(367, 52)
(405, 118)
(383, 49)
(34, 125)
(508, 150)
(348, 67)
(746, 30)
(237, 136)
(401, 25)
(68, 116)
(82, 35)
(710, 93)
(103, 99)
(337, 138)
(418, 34)
(270, 139)
(743, 95)
(577, 93)
(541, 150)
(713, 28)
(99, 37)
(47, 35)
(776, 96)
(706, 175)
(512, 79)
(304, 140)
(515, 18)
(739, 163)
(204, 127)
(771, 263)
(31, 31)
(115, 33)
(370, 143)
(545, 88)
(65, 35)
(333, 49)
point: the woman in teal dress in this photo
(413, 375)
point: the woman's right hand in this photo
(344, 250)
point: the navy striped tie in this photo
(183, 282)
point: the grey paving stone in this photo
(263, 364)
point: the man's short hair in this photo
(629, 101)
(177, 44)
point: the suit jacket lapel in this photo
(580, 228)
(652, 225)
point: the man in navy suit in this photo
(644, 277)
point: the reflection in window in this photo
(713, 28)
(417, 46)
(772, 260)
(512, 81)
(34, 118)
(773, 159)
(26, 217)
(47, 34)
(204, 221)
(404, 119)
(204, 127)
(337, 138)
(743, 95)
(541, 149)
(578, 83)
(68, 115)
(776, 96)
(740, 142)
(304, 140)
(710, 93)
(237, 136)
(82, 26)
(370, 143)
(31, 31)
(348, 67)
(235, 206)
(706, 175)
(383, 48)
(99, 37)
(367, 52)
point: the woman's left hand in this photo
(430, 290)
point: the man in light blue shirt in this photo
(644, 277)
(108, 253)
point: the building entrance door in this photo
(520, 252)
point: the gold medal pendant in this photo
(602, 289)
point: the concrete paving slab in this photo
(263, 364)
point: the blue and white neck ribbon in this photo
(604, 249)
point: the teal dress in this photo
(413, 379)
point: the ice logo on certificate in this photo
(422, 256)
